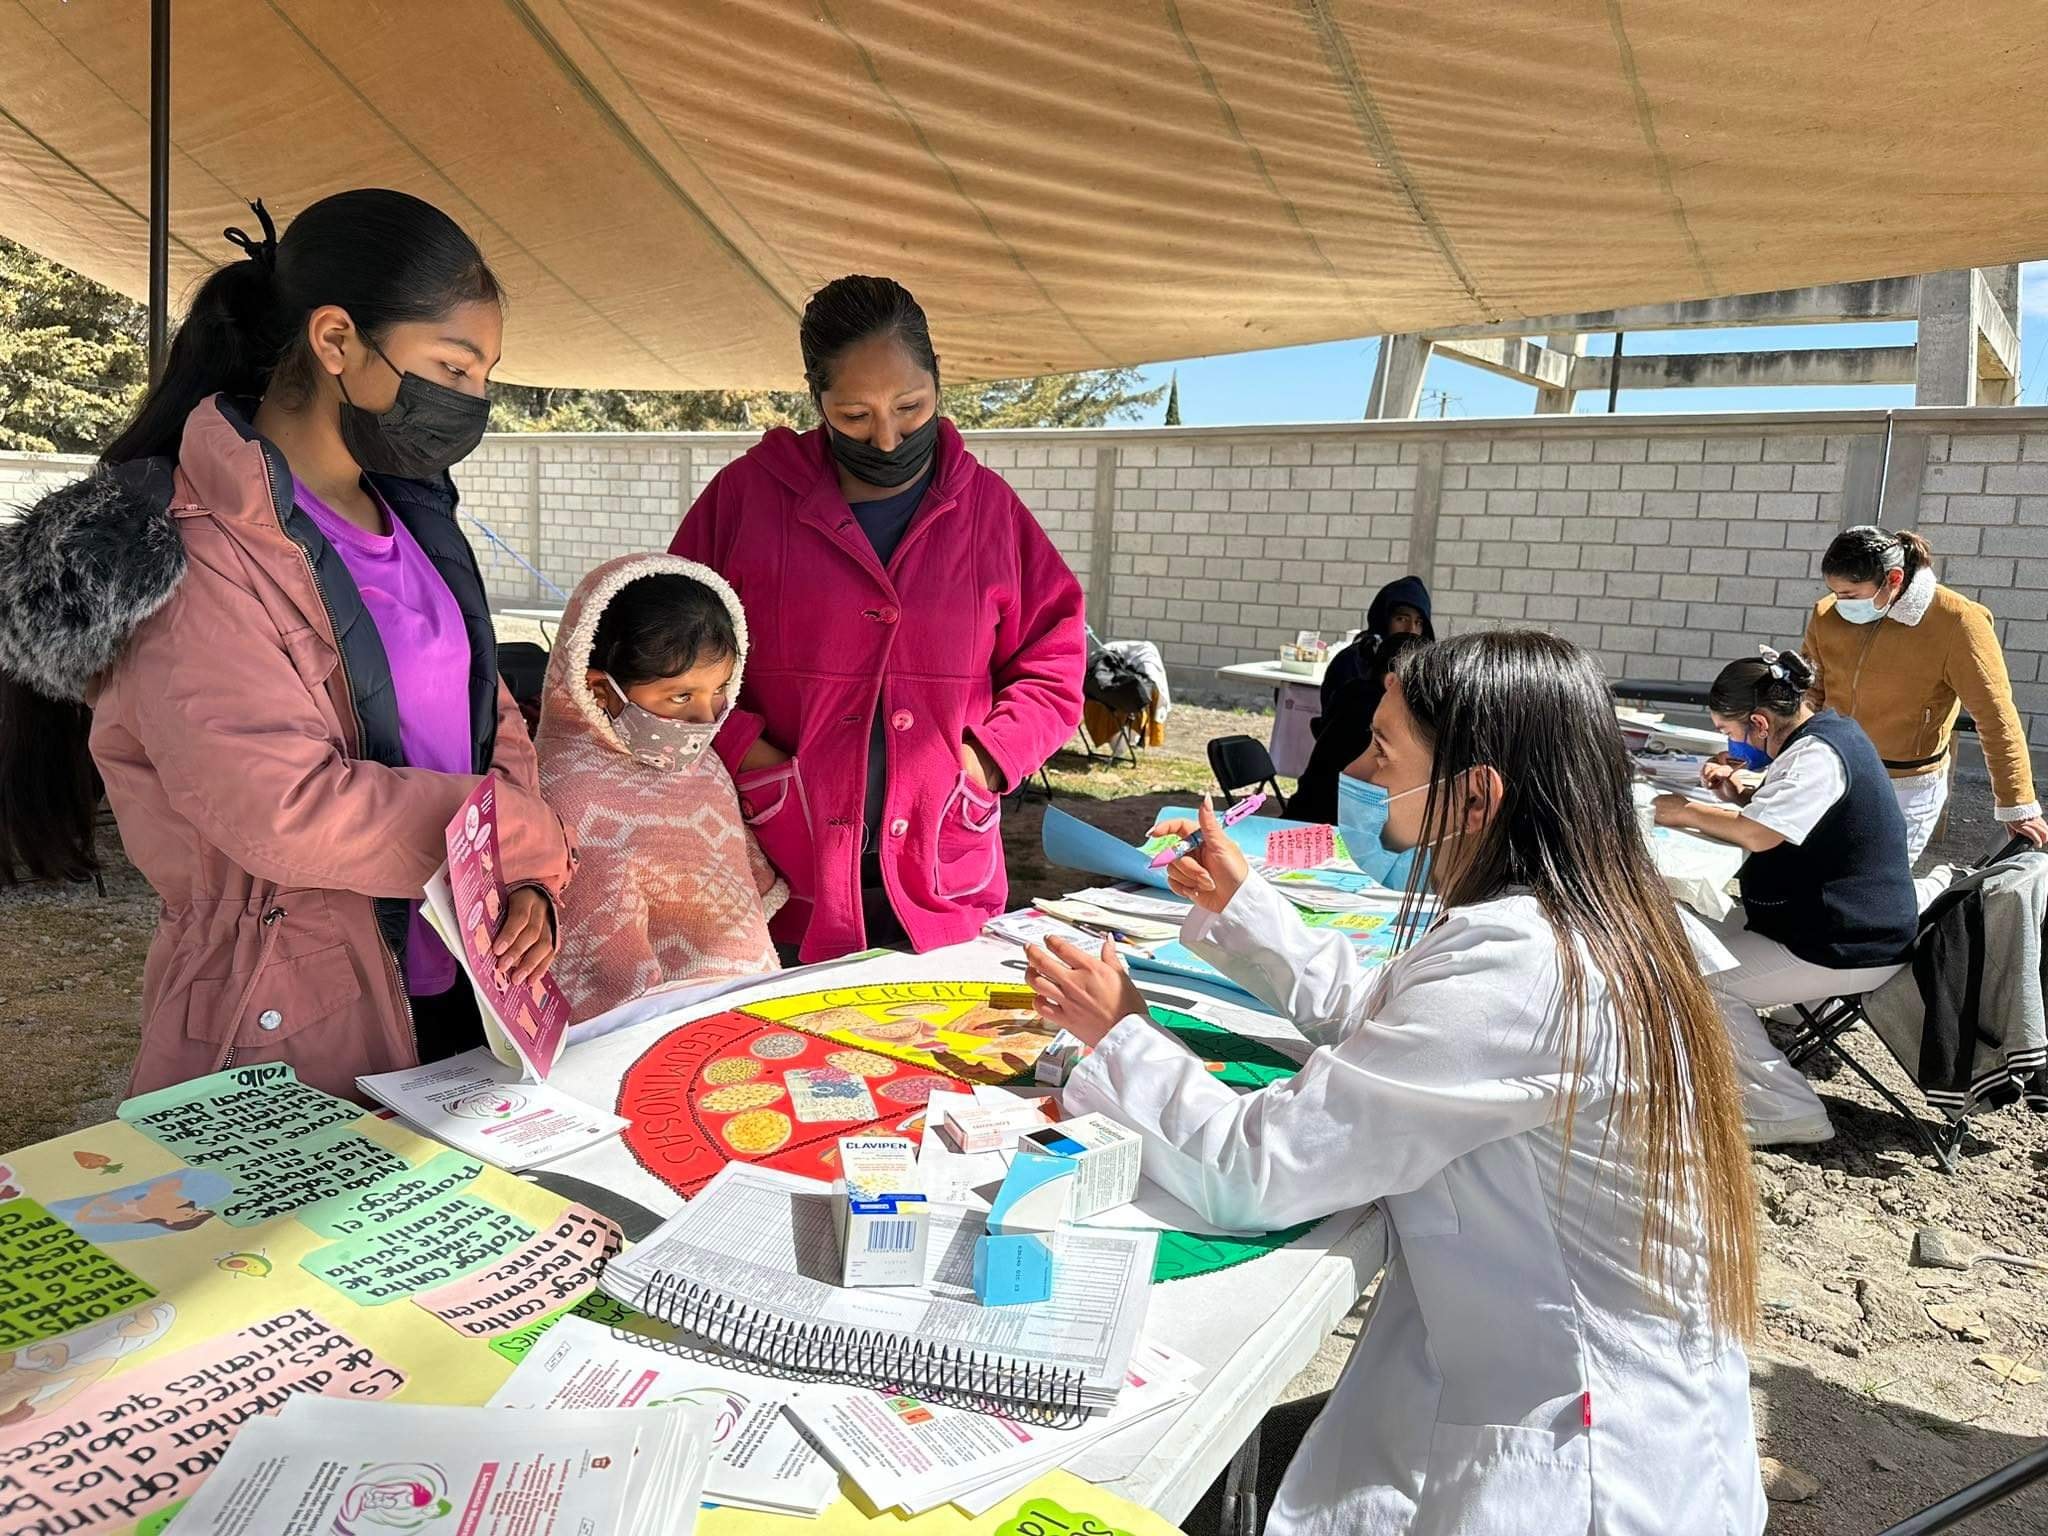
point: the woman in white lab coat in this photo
(1540, 1091)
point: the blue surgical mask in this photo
(1362, 818)
(1859, 610)
(1748, 756)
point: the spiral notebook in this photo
(743, 1274)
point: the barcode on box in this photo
(891, 1236)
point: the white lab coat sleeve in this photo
(1465, 1048)
(1309, 976)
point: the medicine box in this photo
(884, 1219)
(1107, 1158)
(993, 1122)
(1061, 1055)
(1013, 1259)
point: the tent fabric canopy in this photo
(1065, 184)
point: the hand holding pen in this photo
(1209, 867)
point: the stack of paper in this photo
(326, 1464)
(478, 1104)
(911, 1455)
(758, 1459)
(742, 1267)
(1124, 927)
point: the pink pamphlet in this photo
(532, 1020)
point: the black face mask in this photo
(428, 429)
(899, 466)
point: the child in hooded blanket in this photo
(671, 886)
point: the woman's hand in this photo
(980, 768)
(1723, 779)
(1083, 994)
(762, 754)
(1670, 810)
(526, 943)
(1210, 875)
(2034, 829)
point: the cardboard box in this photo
(884, 1219)
(1107, 1158)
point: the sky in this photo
(1329, 382)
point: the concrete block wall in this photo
(26, 476)
(1665, 545)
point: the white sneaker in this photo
(1785, 1133)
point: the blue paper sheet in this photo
(1072, 843)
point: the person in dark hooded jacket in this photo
(1343, 735)
(1401, 608)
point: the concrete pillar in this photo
(1905, 470)
(1559, 402)
(1863, 479)
(1102, 540)
(538, 553)
(1397, 378)
(1424, 513)
(1946, 367)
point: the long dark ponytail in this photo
(385, 257)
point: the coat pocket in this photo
(778, 813)
(1488, 1479)
(968, 851)
(286, 996)
(1430, 1211)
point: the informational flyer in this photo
(759, 1460)
(466, 903)
(478, 1103)
(324, 1467)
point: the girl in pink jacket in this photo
(671, 886)
(917, 641)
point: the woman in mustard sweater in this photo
(1902, 655)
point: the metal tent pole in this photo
(159, 184)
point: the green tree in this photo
(1054, 400)
(1173, 401)
(529, 408)
(72, 359)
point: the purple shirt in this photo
(420, 624)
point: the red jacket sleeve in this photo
(700, 538)
(1040, 652)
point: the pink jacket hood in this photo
(567, 705)
(671, 886)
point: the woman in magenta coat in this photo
(917, 641)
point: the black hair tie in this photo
(263, 252)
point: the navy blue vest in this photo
(1844, 897)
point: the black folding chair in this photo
(1242, 762)
(1822, 1025)
(2001, 1485)
(524, 667)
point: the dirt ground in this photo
(1857, 1382)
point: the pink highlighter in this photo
(1193, 840)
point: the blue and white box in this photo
(1013, 1258)
(884, 1218)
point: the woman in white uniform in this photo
(1828, 908)
(1539, 1090)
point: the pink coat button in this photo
(903, 720)
(888, 615)
(898, 827)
